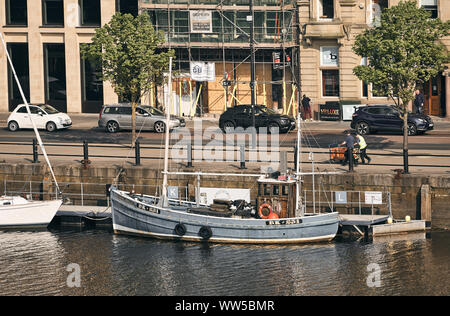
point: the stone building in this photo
(328, 31)
(306, 40)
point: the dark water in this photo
(35, 263)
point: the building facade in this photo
(43, 39)
(329, 29)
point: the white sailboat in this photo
(15, 211)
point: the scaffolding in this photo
(228, 44)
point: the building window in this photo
(91, 86)
(431, 6)
(53, 12)
(90, 13)
(378, 6)
(325, 9)
(19, 56)
(127, 6)
(55, 76)
(330, 83)
(16, 12)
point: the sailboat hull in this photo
(31, 214)
(139, 216)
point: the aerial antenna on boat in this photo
(164, 200)
(38, 137)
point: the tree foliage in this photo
(402, 50)
(131, 57)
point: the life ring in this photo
(205, 232)
(263, 206)
(180, 229)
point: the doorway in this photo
(433, 92)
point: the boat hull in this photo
(135, 217)
(29, 215)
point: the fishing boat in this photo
(278, 217)
(15, 211)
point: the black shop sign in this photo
(330, 111)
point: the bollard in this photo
(242, 151)
(350, 158)
(35, 151)
(189, 155)
(137, 150)
(85, 162)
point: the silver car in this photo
(115, 117)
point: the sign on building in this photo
(201, 71)
(201, 21)
(329, 56)
(341, 197)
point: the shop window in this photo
(325, 9)
(330, 83)
(90, 13)
(91, 86)
(53, 12)
(430, 6)
(16, 12)
(127, 6)
(55, 76)
(19, 56)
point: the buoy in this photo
(389, 220)
(407, 218)
(273, 216)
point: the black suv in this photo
(374, 118)
(241, 116)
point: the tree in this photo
(402, 51)
(129, 50)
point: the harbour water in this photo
(41, 263)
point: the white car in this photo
(44, 116)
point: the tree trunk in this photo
(133, 124)
(405, 139)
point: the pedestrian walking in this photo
(306, 103)
(419, 102)
(350, 145)
(363, 148)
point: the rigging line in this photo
(38, 137)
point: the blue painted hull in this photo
(138, 215)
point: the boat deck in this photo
(361, 220)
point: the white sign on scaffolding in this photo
(374, 197)
(201, 71)
(201, 21)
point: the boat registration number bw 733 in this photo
(284, 222)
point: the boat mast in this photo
(38, 137)
(166, 148)
(299, 206)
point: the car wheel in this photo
(228, 127)
(160, 127)
(412, 129)
(112, 127)
(50, 127)
(273, 128)
(13, 126)
(363, 128)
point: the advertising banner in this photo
(201, 71)
(201, 21)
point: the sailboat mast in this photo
(38, 137)
(299, 208)
(166, 147)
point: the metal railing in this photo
(194, 154)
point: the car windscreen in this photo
(267, 110)
(48, 109)
(152, 110)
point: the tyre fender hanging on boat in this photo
(205, 232)
(180, 229)
(263, 206)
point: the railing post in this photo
(189, 155)
(242, 159)
(35, 151)
(85, 150)
(137, 149)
